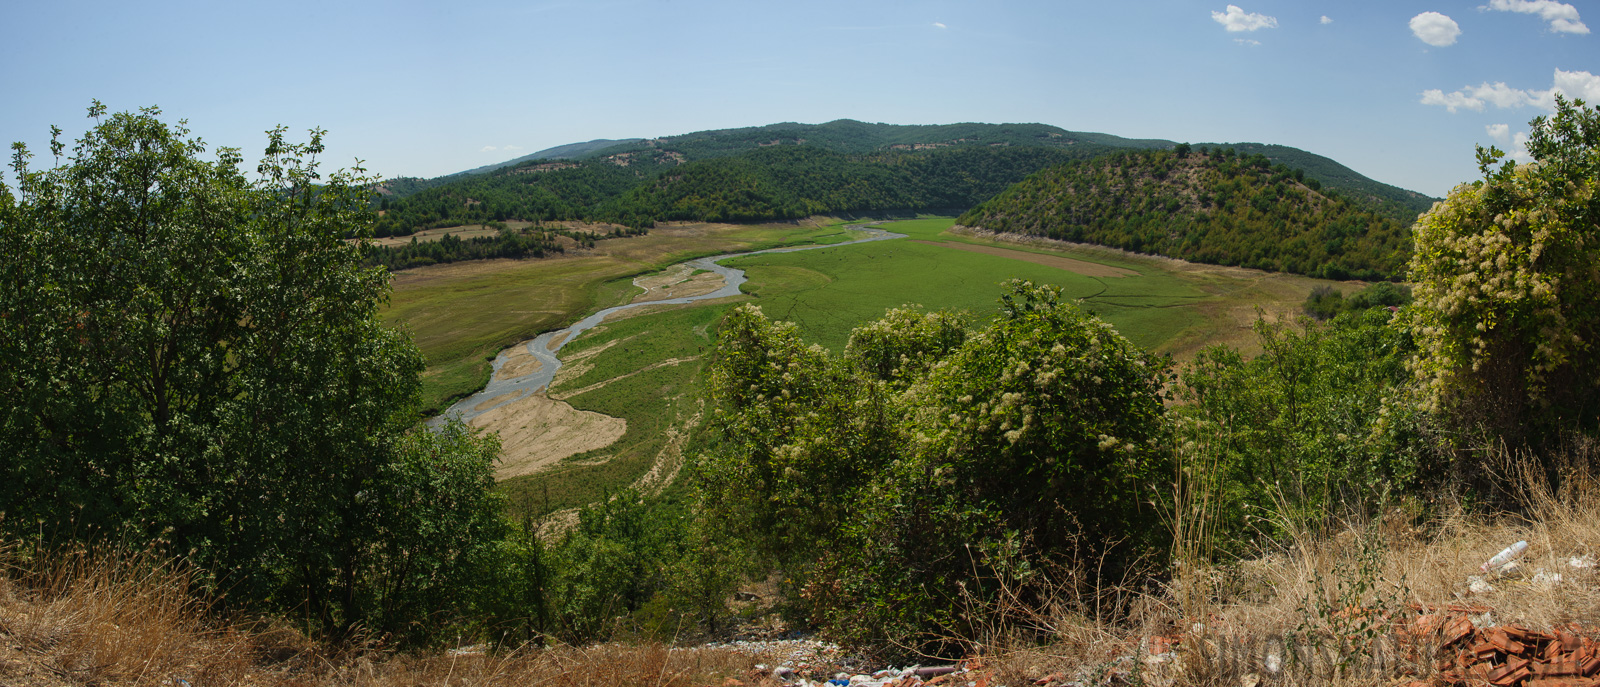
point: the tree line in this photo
(776, 183)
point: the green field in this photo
(829, 292)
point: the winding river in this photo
(511, 389)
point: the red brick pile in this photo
(1507, 655)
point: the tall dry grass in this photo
(1321, 606)
(111, 617)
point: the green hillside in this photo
(789, 170)
(1370, 195)
(1212, 206)
(764, 183)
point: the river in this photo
(510, 389)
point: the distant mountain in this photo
(1209, 205)
(850, 136)
(563, 152)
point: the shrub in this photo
(930, 455)
(1507, 274)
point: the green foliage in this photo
(1217, 208)
(1507, 274)
(193, 360)
(1320, 418)
(794, 182)
(1325, 302)
(867, 478)
(1371, 196)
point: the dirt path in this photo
(537, 431)
(642, 370)
(668, 460)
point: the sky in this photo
(1399, 90)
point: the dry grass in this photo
(89, 617)
(1341, 587)
(96, 618)
(594, 666)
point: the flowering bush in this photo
(1507, 274)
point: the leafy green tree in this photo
(928, 457)
(193, 359)
(1507, 274)
(1321, 418)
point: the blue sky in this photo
(1396, 89)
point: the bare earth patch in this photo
(494, 401)
(1083, 267)
(537, 432)
(519, 362)
(677, 282)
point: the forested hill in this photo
(788, 170)
(1368, 194)
(764, 173)
(799, 181)
(1204, 205)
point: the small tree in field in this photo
(1507, 274)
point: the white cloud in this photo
(1519, 147)
(1499, 132)
(1574, 84)
(1325, 20)
(1502, 96)
(1563, 18)
(488, 149)
(1236, 19)
(1435, 29)
(1451, 101)
(939, 25)
(1246, 41)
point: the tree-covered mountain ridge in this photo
(788, 170)
(1210, 205)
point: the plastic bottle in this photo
(1505, 556)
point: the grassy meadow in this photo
(829, 292)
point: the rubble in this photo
(1501, 655)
